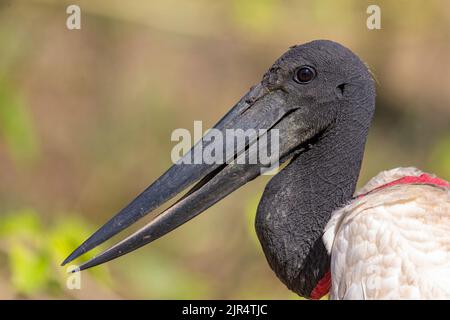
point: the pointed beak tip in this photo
(88, 264)
(70, 258)
(74, 255)
(65, 262)
(76, 270)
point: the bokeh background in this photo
(86, 118)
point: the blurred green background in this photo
(86, 118)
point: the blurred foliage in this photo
(33, 252)
(259, 15)
(16, 126)
(86, 118)
(440, 157)
(167, 279)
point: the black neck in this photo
(297, 202)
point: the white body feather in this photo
(393, 243)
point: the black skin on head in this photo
(337, 105)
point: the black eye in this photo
(305, 74)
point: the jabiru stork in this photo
(321, 98)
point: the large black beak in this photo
(260, 108)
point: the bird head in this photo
(306, 92)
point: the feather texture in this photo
(393, 243)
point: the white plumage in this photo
(393, 242)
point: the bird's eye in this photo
(305, 74)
